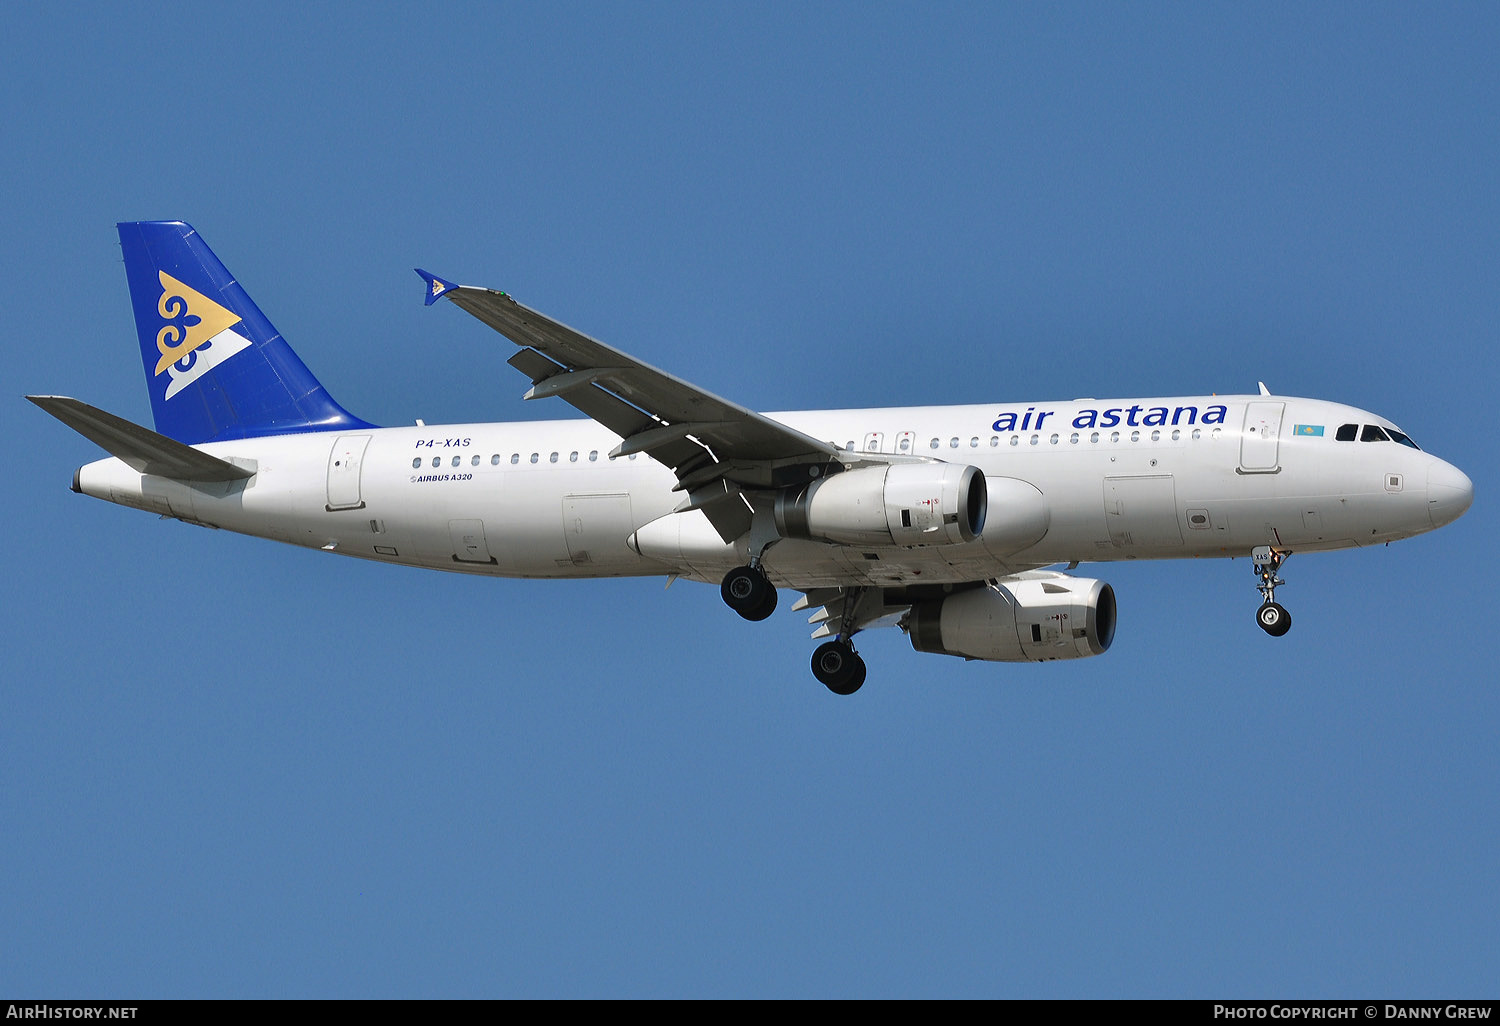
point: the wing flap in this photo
(854, 609)
(614, 413)
(639, 431)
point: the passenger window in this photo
(953, 443)
(416, 463)
(437, 461)
(535, 456)
(515, 458)
(594, 456)
(1073, 438)
(573, 457)
(933, 444)
(552, 458)
(495, 460)
(1372, 433)
(475, 461)
(457, 460)
(1346, 432)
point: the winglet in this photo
(436, 287)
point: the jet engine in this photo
(898, 504)
(1031, 618)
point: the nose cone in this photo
(1449, 493)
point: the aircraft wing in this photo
(716, 448)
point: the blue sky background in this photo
(232, 768)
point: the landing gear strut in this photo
(838, 667)
(835, 663)
(1272, 616)
(747, 591)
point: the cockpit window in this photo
(1397, 436)
(1373, 433)
(1347, 432)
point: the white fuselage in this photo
(1112, 479)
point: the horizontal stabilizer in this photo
(143, 449)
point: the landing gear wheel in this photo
(766, 608)
(1274, 619)
(747, 592)
(838, 667)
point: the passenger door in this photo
(1260, 443)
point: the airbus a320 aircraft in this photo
(938, 519)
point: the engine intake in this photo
(897, 504)
(1034, 618)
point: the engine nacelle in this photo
(898, 504)
(1037, 617)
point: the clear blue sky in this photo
(232, 768)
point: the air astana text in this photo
(1131, 416)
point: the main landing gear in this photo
(835, 663)
(1272, 616)
(747, 591)
(838, 667)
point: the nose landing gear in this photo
(1272, 616)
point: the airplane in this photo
(940, 520)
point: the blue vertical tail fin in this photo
(215, 366)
